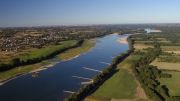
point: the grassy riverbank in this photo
(86, 46)
(44, 52)
(36, 55)
(122, 85)
(98, 80)
(21, 70)
(33, 53)
(70, 53)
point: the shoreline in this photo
(2, 82)
(82, 53)
(45, 67)
(123, 40)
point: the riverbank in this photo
(36, 55)
(75, 52)
(123, 80)
(99, 79)
(123, 40)
(34, 68)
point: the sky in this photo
(18, 13)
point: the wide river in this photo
(52, 84)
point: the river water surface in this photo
(52, 84)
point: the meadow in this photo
(86, 46)
(172, 83)
(121, 86)
(34, 53)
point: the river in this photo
(51, 84)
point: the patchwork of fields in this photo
(169, 62)
(124, 86)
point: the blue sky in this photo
(69, 12)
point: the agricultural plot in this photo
(166, 65)
(142, 46)
(121, 86)
(172, 83)
(170, 48)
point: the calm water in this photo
(149, 30)
(51, 83)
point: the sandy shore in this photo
(70, 58)
(123, 40)
(2, 82)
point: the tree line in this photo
(98, 80)
(17, 62)
(148, 75)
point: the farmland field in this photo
(122, 85)
(172, 83)
(141, 46)
(166, 65)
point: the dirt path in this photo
(121, 100)
(140, 94)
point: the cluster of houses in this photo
(17, 39)
(16, 44)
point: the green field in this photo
(166, 65)
(43, 52)
(122, 85)
(33, 53)
(87, 45)
(20, 70)
(172, 83)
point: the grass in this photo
(67, 54)
(43, 52)
(32, 53)
(127, 63)
(166, 65)
(172, 83)
(92, 98)
(141, 46)
(172, 51)
(121, 85)
(169, 59)
(167, 62)
(170, 48)
(21, 70)
(87, 45)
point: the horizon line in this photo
(70, 25)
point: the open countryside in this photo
(89, 50)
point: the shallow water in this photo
(51, 83)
